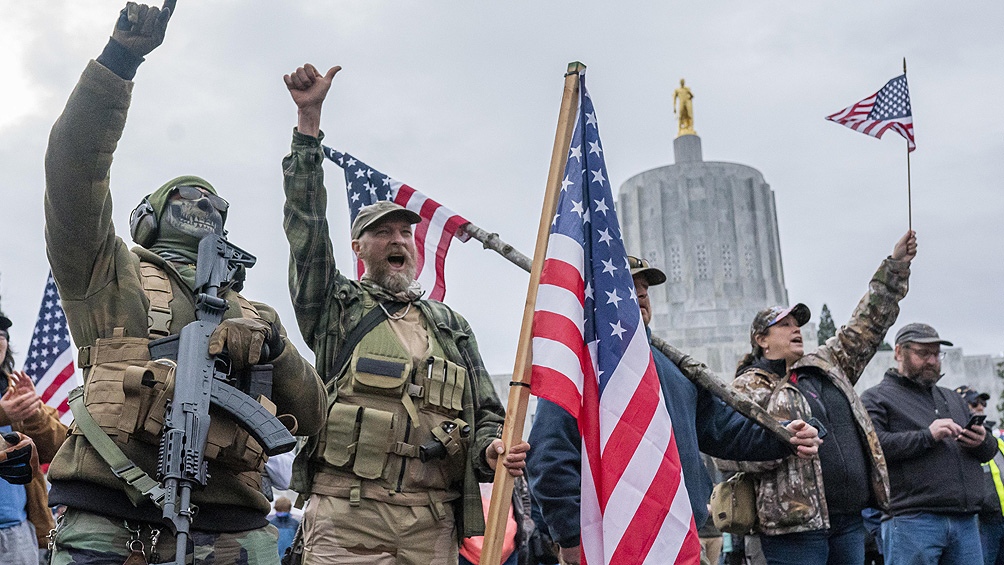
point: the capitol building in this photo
(712, 227)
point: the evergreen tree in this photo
(826, 328)
(1000, 374)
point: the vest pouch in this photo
(230, 445)
(379, 374)
(444, 385)
(445, 471)
(104, 395)
(146, 391)
(375, 429)
(339, 444)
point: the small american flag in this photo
(365, 186)
(887, 109)
(591, 356)
(49, 362)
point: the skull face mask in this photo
(192, 213)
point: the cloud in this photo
(461, 101)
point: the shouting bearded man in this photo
(414, 420)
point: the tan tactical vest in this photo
(126, 392)
(387, 408)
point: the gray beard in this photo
(393, 282)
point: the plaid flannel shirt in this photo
(328, 305)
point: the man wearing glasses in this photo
(934, 454)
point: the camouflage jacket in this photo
(328, 305)
(101, 288)
(790, 493)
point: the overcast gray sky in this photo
(460, 100)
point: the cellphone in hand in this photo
(976, 420)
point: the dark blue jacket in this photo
(701, 422)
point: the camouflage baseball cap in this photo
(641, 267)
(919, 333)
(769, 316)
(369, 215)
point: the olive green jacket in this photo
(99, 282)
(790, 492)
(328, 305)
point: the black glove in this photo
(19, 461)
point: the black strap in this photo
(371, 320)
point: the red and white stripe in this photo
(55, 385)
(634, 503)
(432, 237)
(856, 118)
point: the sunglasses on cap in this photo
(195, 193)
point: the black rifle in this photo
(197, 384)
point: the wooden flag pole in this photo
(909, 196)
(519, 388)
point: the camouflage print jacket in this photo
(790, 495)
(328, 305)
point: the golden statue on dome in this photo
(685, 114)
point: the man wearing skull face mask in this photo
(935, 477)
(117, 300)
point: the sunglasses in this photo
(195, 193)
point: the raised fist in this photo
(140, 28)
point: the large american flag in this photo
(591, 356)
(365, 186)
(49, 361)
(887, 109)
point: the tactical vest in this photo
(394, 432)
(127, 392)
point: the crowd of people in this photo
(399, 423)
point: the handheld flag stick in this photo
(519, 388)
(909, 197)
(887, 109)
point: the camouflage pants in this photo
(83, 538)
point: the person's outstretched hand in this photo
(140, 28)
(309, 88)
(906, 247)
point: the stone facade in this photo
(712, 227)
